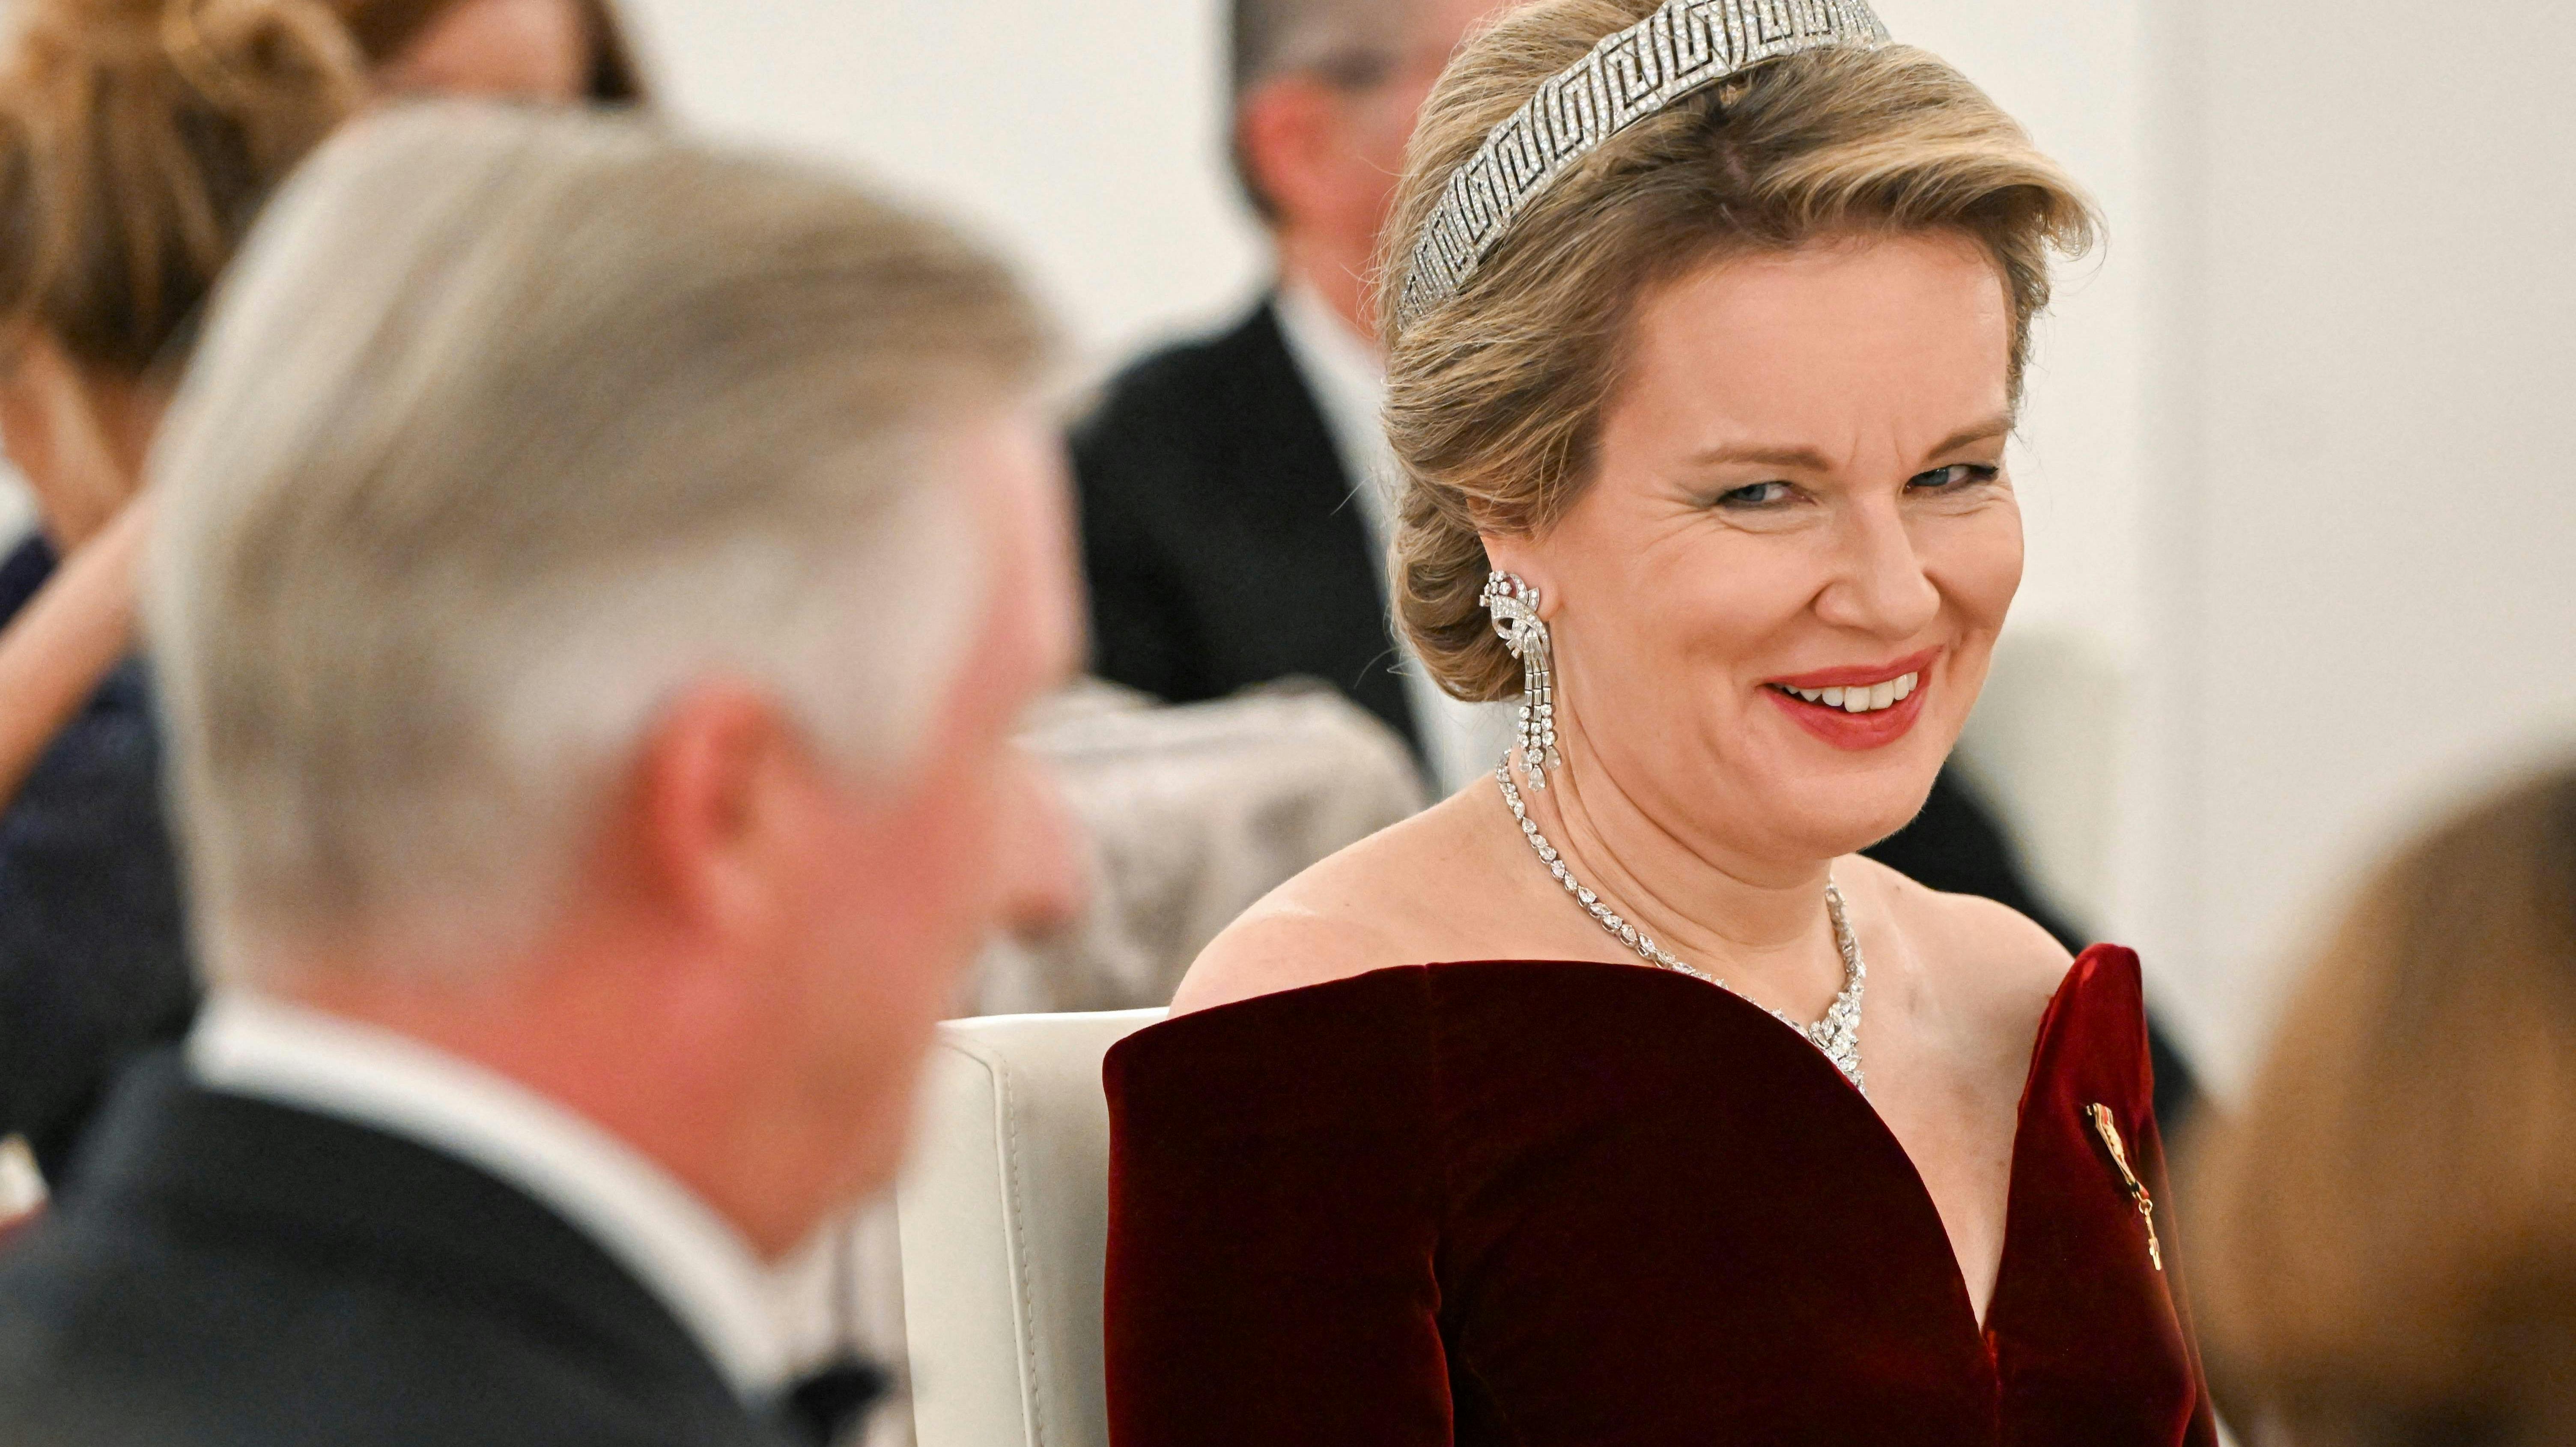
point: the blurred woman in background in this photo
(2385, 1234)
(138, 141)
(553, 50)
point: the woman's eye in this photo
(1956, 476)
(1760, 494)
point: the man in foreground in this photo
(597, 579)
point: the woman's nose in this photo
(1881, 586)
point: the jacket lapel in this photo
(1290, 468)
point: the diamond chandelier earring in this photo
(1514, 606)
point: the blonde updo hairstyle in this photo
(138, 141)
(1495, 397)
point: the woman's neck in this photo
(1757, 923)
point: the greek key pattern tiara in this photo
(1685, 47)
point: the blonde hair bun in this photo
(138, 140)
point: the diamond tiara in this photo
(1685, 47)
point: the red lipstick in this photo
(1856, 732)
(1864, 674)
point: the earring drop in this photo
(1514, 606)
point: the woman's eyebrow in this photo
(1760, 455)
(2000, 425)
(1787, 456)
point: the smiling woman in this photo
(1618, 1099)
(1836, 518)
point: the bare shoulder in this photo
(1993, 947)
(1383, 901)
(1282, 943)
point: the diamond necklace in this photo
(1837, 1035)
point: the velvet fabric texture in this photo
(1547, 1202)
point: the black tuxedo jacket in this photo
(1224, 549)
(1222, 542)
(228, 1271)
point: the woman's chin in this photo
(1828, 814)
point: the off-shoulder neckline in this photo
(2080, 972)
(2086, 972)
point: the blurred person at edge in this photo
(591, 697)
(137, 140)
(1237, 490)
(2384, 1235)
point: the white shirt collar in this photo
(671, 1241)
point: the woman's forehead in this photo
(1909, 334)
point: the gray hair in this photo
(507, 428)
(1351, 41)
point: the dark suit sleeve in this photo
(1140, 632)
(93, 949)
(1223, 544)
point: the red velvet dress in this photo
(1554, 1204)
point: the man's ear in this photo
(1286, 129)
(719, 799)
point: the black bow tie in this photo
(822, 1407)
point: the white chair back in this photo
(1004, 1216)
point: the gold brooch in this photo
(2110, 1132)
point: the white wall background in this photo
(1081, 137)
(2360, 573)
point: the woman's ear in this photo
(78, 438)
(1513, 553)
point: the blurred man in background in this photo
(1237, 496)
(595, 582)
